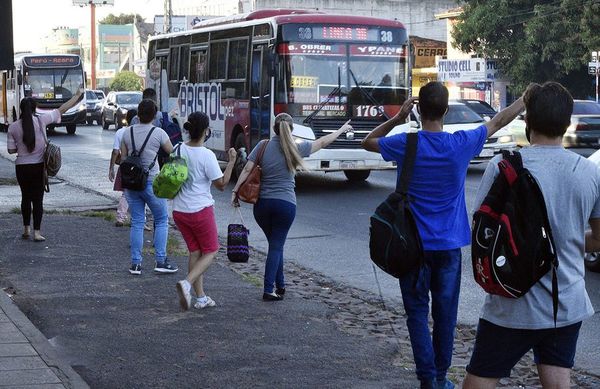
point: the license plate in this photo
(88, 114)
(348, 165)
(486, 153)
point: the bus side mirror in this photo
(19, 78)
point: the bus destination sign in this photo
(45, 61)
(322, 32)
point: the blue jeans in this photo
(441, 277)
(137, 205)
(275, 217)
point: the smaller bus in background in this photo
(50, 79)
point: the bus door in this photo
(260, 95)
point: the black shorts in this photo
(498, 349)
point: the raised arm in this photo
(371, 141)
(222, 182)
(326, 140)
(505, 116)
(71, 102)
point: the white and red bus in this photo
(50, 79)
(322, 69)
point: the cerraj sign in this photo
(462, 70)
(51, 61)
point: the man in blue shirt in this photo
(438, 193)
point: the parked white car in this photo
(461, 117)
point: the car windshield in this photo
(129, 98)
(89, 95)
(586, 108)
(461, 114)
(100, 95)
(481, 107)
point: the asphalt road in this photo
(330, 233)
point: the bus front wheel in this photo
(71, 129)
(357, 175)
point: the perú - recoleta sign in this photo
(462, 70)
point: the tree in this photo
(126, 81)
(533, 40)
(121, 19)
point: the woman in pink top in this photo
(27, 138)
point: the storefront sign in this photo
(462, 70)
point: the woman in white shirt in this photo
(193, 209)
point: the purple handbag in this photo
(237, 241)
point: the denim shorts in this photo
(498, 349)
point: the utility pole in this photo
(593, 69)
(93, 4)
(168, 17)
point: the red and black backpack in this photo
(512, 245)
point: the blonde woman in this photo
(276, 208)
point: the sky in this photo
(30, 28)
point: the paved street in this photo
(330, 234)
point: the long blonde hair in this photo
(282, 127)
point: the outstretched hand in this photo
(235, 201)
(232, 155)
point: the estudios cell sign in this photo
(462, 70)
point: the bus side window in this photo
(184, 63)
(198, 67)
(218, 61)
(174, 72)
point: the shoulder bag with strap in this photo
(52, 157)
(394, 242)
(133, 173)
(249, 191)
(172, 176)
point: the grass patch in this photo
(8, 181)
(16, 210)
(173, 248)
(252, 279)
(106, 215)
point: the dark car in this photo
(94, 100)
(481, 107)
(115, 107)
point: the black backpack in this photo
(394, 241)
(133, 173)
(512, 245)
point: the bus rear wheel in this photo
(357, 175)
(71, 128)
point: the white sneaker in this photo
(204, 303)
(185, 297)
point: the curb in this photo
(38, 341)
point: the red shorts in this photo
(199, 229)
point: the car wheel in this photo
(104, 122)
(592, 262)
(357, 175)
(242, 155)
(71, 128)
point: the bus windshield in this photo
(310, 74)
(52, 84)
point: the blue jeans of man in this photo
(440, 276)
(137, 205)
(275, 218)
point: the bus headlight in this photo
(505, 139)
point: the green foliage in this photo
(128, 81)
(533, 40)
(121, 19)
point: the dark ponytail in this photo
(196, 125)
(28, 107)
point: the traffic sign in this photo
(592, 70)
